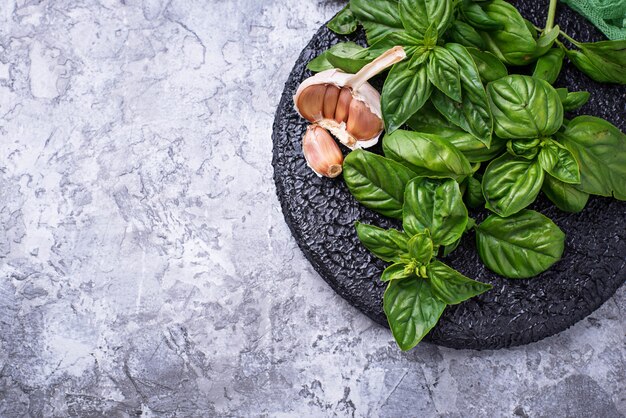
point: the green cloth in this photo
(607, 15)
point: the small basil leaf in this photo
(431, 36)
(421, 248)
(379, 17)
(464, 34)
(510, 184)
(489, 66)
(443, 72)
(387, 244)
(344, 22)
(559, 162)
(520, 246)
(549, 65)
(523, 148)
(348, 57)
(474, 193)
(437, 206)
(320, 63)
(600, 149)
(562, 92)
(477, 17)
(450, 286)
(419, 57)
(575, 100)
(604, 61)
(395, 271)
(405, 91)
(410, 43)
(412, 310)
(524, 107)
(447, 249)
(565, 196)
(546, 40)
(376, 182)
(426, 154)
(473, 115)
(418, 15)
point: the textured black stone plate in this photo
(321, 213)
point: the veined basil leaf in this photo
(549, 65)
(443, 72)
(387, 244)
(565, 196)
(476, 16)
(412, 310)
(395, 271)
(474, 193)
(377, 17)
(376, 182)
(489, 66)
(418, 15)
(435, 205)
(520, 246)
(421, 248)
(320, 63)
(603, 61)
(464, 34)
(404, 93)
(510, 184)
(524, 148)
(410, 43)
(559, 162)
(450, 286)
(524, 107)
(344, 22)
(426, 154)
(575, 100)
(473, 114)
(600, 149)
(348, 57)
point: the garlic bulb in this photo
(346, 104)
(321, 152)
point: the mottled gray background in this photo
(145, 267)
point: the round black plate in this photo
(321, 215)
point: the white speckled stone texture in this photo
(145, 266)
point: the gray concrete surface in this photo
(145, 267)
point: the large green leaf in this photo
(404, 93)
(435, 205)
(443, 72)
(559, 162)
(426, 154)
(603, 61)
(510, 184)
(376, 182)
(418, 15)
(476, 16)
(549, 65)
(600, 149)
(464, 34)
(387, 244)
(524, 107)
(520, 246)
(377, 17)
(473, 113)
(565, 196)
(412, 310)
(450, 286)
(344, 22)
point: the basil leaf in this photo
(565, 196)
(600, 149)
(473, 114)
(549, 65)
(464, 34)
(431, 36)
(320, 63)
(443, 72)
(546, 41)
(447, 249)
(419, 57)
(410, 43)
(348, 57)
(562, 92)
(474, 193)
(474, 150)
(575, 100)
(450, 286)
(379, 17)
(559, 162)
(489, 66)
(524, 107)
(436, 206)
(421, 248)
(395, 271)
(376, 182)
(604, 61)
(404, 93)
(520, 246)
(426, 154)
(412, 310)
(418, 15)
(510, 184)
(344, 22)
(387, 244)
(524, 148)
(476, 16)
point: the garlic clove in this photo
(321, 152)
(330, 101)
(343, 105)
(362, 123)
(311, 102)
